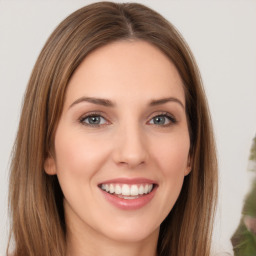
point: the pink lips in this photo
(136, 202)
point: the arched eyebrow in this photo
(165, 100)
(108, 103)
(97, 101)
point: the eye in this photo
(93, 120)
(162, 120)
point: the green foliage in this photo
(250, 202)
(244, 240)
(253, 150)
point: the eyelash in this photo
(171, 118)
(94, 114)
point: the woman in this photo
(115, 152)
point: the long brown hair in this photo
(38, 224)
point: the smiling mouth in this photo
(127, 191)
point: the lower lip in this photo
(129, 204)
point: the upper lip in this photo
(139, 180)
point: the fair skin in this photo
(123, 125)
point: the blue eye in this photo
(93, 120)
(163, 120)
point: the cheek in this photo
(172, 158)
(78, 159)
(77, 154)
(172, 155)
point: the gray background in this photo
(222, 36)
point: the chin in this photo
(129, 234)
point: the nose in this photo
(130, 147)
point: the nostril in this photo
(129, 147)
(130, 163)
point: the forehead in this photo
(123, 70)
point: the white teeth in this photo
(146, 189)
(118, 190)
(141, 190)
(111, 189)
(134, 190)
(127, 190)
(128, 197)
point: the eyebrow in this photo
(108, 103)
(97, 101)
(165, 100)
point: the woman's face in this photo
(122, 142)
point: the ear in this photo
(189, 166)
(50, 166)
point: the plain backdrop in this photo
(222, 36)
